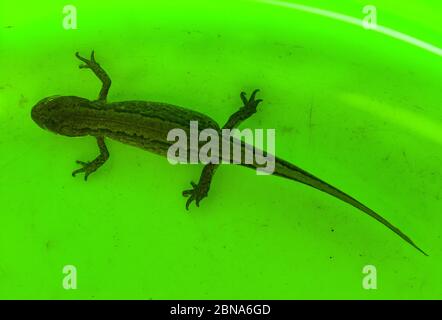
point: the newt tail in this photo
(289, 171)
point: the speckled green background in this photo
(359, 109)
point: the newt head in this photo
(56, 113)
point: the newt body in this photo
(142, 124)
(146, 125)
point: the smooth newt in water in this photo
(146, 125)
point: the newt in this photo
(145, 124)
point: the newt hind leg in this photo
(201, 190)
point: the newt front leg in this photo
(92, 166)
(201, 190)
(99, 72)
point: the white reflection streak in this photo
(358, 22)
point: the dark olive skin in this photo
(146, 124)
